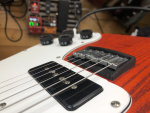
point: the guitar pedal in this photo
(35, 7)
(50, 25)
(35, 25)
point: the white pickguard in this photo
(37, 55)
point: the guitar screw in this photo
(55, 74)
(58, 57)
(61, 78)
(67, 82)
(2, 105)
(46, 68)
(115, 104)
(74, 87)
(53, 71)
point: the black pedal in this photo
(119, 62)
(73, 97)
(47, 6)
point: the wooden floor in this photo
(8, 48)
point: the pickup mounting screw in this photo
(58, 57)
(74, 87)
(67, 82)
(61, 78)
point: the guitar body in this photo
(134, 82)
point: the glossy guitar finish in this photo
(137, 80)
(130, 81)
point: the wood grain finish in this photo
(136, 81)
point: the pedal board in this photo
(65, 13)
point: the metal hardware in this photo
(58, 57)
(2, 105)
(67, 82)
(74, 87)
(115, 104)
(61, 78)
(52, 71)
(46, 68)
(55, 74)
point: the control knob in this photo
(86, 34)
(65, 39)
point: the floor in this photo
(7, 48)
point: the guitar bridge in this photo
(120, 62)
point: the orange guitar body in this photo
(136, 81)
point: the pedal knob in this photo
(86, 34)
(69, 32)
(65, 40)
(46, 39)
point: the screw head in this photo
(74, 87)
(67, 82)
(61, 78)
(52, 71)
(115, 104)
(46, 68)
(58, 57)
(2, 105)
(55, 74)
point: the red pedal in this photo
(35, 7)
(35, 25)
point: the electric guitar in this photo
(22, 91)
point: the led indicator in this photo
(34, 4)
(37, 24)
(31, 23)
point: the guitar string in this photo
(63, 89)
(42, 81)
(35, 74)
(31, 71)
(49, 86)
(28, 81)
(50, 63)
(55, 66)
